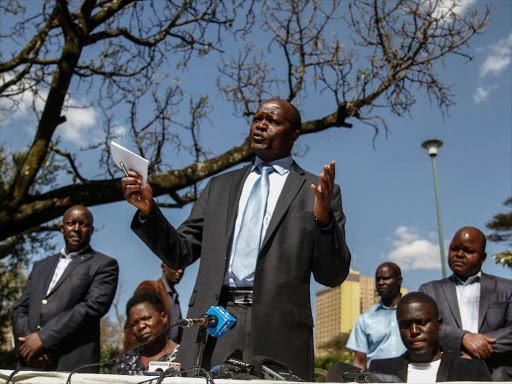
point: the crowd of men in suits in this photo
(260, 232)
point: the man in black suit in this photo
(476, 307)
(419, 322)
(266, 288)
(57, 319)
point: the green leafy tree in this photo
(336, 351)
(501, 225)
(18, 250)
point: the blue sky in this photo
(388, 193)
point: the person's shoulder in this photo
(101, 257)
(499, 280)
(370, 311)
(433, 284)
(46, 260)
(470, 370)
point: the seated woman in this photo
(147, 318)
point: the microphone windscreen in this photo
(225, 321)
(336, 372)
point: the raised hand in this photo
(323, 194)
(137, 195)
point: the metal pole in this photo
(439, 222)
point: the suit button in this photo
(38, 327)
(44, 301)
(216, 296)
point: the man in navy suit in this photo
(302, 232)
(476, 307)
(56, 321)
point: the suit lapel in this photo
(487, 288)
(444, 367)
(451, 298)
(402, 368)
(235, 191)
(291, 187)
(49, 271)
(79, 259)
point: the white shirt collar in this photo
(282, 166)
(71, 255)
(470, 280)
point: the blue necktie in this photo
(251, 231)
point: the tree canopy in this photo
(118, 52)
(501, 227)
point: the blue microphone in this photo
(217, 321)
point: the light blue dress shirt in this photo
(277, 179)
(376, 333)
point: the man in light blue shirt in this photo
(376, 334)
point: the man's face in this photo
(419, 330)
(387, 282)
(172, 276)
(271, 134)
(146, 322)
(77, 228)
(466, 253)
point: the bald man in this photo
(260, 232)
(56, 321)
(376, 334)
(476, 307)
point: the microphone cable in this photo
(68, 381)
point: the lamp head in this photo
(432, 146)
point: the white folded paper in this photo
(130, 160)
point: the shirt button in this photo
(44, 301)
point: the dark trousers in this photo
(236, 343)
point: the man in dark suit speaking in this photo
(57, 319)
(260, 231)
(476, 307)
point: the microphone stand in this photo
(198, 357)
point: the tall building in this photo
(338, 308)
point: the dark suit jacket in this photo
(452, 368)
(494, 318)
(155, 287)
(68, 319)
(293, 247)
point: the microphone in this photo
(269, 369)
(346, 373)
(217, 321)
(205, 321)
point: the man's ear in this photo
(61, 226)
(439, 323)
(296, 135)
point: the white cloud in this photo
(445, 8)
(499, 59)
(482, 93)
(412, 251)
(77, 125)
(18, 110)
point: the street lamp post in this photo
(432, 146)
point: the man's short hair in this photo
(421, 298)
(149, 298)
